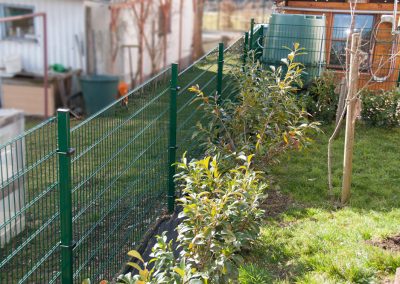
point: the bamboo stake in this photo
(350, 118)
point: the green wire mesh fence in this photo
(204, 74)
(29, 207)
(119, 174)
(75, 199)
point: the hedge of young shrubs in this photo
(222, 192)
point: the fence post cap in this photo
(63, 110)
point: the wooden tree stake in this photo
(397, 277)
(350, 117)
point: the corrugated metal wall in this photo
(65, 22)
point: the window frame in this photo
(332, 40)
(3, 31)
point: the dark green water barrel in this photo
(98, 91)
(307, 30)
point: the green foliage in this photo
(265, 118)
(220, 217)
(164, 267)
(220, 214)
(254, 274)
(381, 108)
(321, 100)
(313, 242)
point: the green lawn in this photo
(312, 241)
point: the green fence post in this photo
(220, 68)
(251, 34)
(172, 138)
(64, 167)
(246, 44)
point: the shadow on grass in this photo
(376, 175)
(314, 241)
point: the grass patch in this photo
(312, 241)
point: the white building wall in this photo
(187, 30)
(65, 21)
(128, 35)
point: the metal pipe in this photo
(45, 63)
(333, 10)
(21, 17)
(46, 74)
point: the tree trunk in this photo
(197, 51)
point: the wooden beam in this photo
(341, 5)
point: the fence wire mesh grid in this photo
(118, 176)
(29, 207)
(119, 173)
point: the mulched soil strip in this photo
(167, 223)
(275, 203)
(168, 226)
(390, 243)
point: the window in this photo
(341, 29)
(21, 29)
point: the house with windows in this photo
(376, 20)
(127, 38)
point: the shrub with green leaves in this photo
(381, 108)
(163, 268)
(221, 215)
(320, 99)
(265, 118)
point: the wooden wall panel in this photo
(29, 98)
(384, 40)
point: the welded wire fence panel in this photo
(29, 207)
(256, 43)
(119, 174)
(202, 73)
(233, 63)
